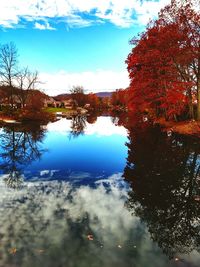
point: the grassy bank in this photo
(54, 110)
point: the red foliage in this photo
(119, 99)
(93, 101)
(163, 62)
(34, 108)
(35, 101)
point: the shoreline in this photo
(8, 119)
(50, 112)
(187, 128)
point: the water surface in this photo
(75, 193)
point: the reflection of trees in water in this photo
(92, 118)
(19, 146)
(164, 173)
(119, 118)
(79, 123)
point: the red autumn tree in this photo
(187, 17)
(163, 63)
(119, 99)
(33, 109)
(93, 101)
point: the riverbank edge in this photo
(53, 111)
(188, 128)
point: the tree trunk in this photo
(11, 95)
(198, 90)
(198, 97)
(190, 104)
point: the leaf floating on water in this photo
(197, 198)
(40, 251)
(12, 251)
(90, 237)
(176, 259)
(119, 246)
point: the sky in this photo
(76, 42)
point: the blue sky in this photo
(76, 42)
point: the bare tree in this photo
(78, 95)
(25, 82)
(8, 66)
(77, 89)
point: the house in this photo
(69, 104)
(6, 102)
(51, 102)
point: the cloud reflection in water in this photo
(48, 224)
(102, 127)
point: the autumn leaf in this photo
(90, 237)
(12, 251)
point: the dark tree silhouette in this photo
(164, 173)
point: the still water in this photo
(84, 193)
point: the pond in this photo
(88, 192)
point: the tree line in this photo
(91, 101)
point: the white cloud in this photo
(76, 21)
(92, 81)
(50, 173)
(44, 26)
(78, 13)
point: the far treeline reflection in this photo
(163, 172)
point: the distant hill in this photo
(67, 96)
(104, 94)
(62, 97)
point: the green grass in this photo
(54, 110)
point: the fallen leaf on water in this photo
(12, 251)
(197, 198)
(40, 251)
(176, 259)
(119, 246)
(90, 237)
